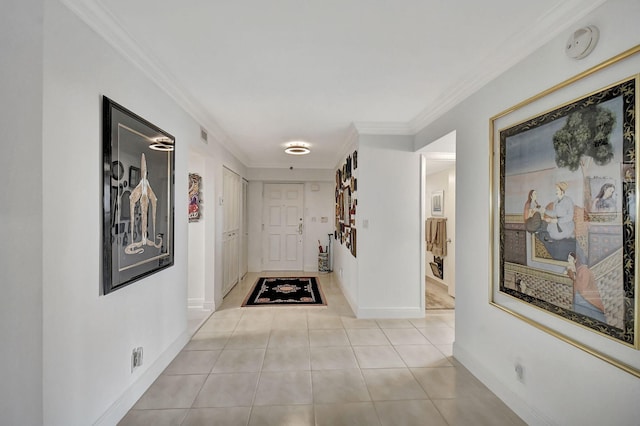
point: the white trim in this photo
(352, 303)
(390, 313)
(514, 50)
(423, 244)
(209, 306)
(195, 303)
(311, 268)
(130, 396)
(98, 18)
(350, 143)
(384, 128)
(527, 413)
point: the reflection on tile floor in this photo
(317, 366)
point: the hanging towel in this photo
(436, 236)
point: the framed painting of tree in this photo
(563, 190)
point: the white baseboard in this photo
(195, 303)
(528, 414)
(122, 405)
(390, 313)
(352, 303)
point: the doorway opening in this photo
(438, 212)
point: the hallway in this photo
(317, 366)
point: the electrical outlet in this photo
(136, 358)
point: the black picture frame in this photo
(139, 242)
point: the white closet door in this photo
(231, 188)
(244, 231)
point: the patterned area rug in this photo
(272, 291)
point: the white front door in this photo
(283, 227)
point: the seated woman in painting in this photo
(531, 213)
(605, 201)
(586, 296)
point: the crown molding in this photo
(383, 128)
(99, 19)
(515, 49)
(349, 144)
(317, 165)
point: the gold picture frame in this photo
(563, 255)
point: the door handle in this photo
(300, 228)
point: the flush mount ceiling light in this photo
(297, 148)
(162, 144)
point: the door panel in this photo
(274, 248)
(283, 227)
(274, 216)
(293, 216)
(292, 247)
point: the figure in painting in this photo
(559, 217)
(531, 213)
(586, 296)
(143, 194)
(605, 201)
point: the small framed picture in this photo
(437, 203)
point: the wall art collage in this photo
(346, 203)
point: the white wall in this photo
(562, 384)
(88, 338)
(255, 225)
(444, 180)
(197, 261)
(390, 282)
(21, 212)
(206, 290)
(318, 203)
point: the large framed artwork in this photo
(138, 214)
(563, 211)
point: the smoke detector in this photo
(582, 42)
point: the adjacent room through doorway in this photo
(439, 189)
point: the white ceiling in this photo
(257, 74)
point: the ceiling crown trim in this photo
(98, 18)
(514, 50)
(383, 128)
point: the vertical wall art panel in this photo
(346, 203)
(138, 208)
(195, 197)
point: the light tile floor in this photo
(317, 366)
